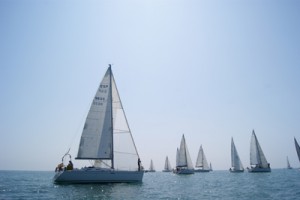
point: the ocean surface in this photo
(279, 184)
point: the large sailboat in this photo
(107, 140)
(297, 148)
(167, 167)
(184, 163)
(201, 163)
(236, 164)
(258, 160)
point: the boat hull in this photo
(184, 171)
(236, 170)
(258, 170)
(201, 170)
(95, 175)
(166, 170)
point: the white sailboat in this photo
(167, 167)
(297, 148)
(258, 160)
(210, 167)
(201, 163)
(236, 163)
(184, 163)
(151, 168)
(106, 138)
(288, 163)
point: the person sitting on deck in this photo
(70, 165)
(59, 167)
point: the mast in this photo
(112, 121)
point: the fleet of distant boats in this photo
(258, 161)
(106, 140)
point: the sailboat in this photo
(297, 148)
(106, 139)
(201, 163)
(184, 163)
(210, 167)
(288, 163)
(167, 167)
(151, 168)
(236, 163)
(258, 160)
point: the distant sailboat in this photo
(184, 163)
(288, 163)
(201, 163)
(236, 163)
(297, 148)
(258, 160)
(210, 167)
(167, 167)
(151, 168)
(107, 140)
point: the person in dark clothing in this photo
(139, 164)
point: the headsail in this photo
(257, 156)
(235, 159)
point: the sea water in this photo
(279, 184)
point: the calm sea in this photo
(279, 184)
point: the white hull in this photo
(257, 169)
(184, 171)
(98, 175)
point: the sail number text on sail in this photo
(97, 99)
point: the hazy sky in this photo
(210, 69)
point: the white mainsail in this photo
(167, 165)
(184, 159)
(201, 160)
(235, 159)
(257, 156)
(297, 148)
(98, 125)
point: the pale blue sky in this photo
(209, 69)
